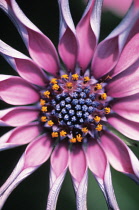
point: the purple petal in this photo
(38, 151)
(19, 116)
(39, 46)
(26, 68)
(17, 91)
(127, 107)
(59, 165)
(114, 7)
(126, 83)
(108, 51)
(120, 156)
(21, 135)
(67, 44)
(81, 192)
(79, 175)
(136, 3)
(126, 127)
(88, 32)
(35, 155)
(77, 158)
(99, 166)
(129, 54)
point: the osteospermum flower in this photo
(67, 112)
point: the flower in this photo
(66, 112)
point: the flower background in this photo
(32, 192)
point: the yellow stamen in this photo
(79, 137)
(84, 130)
(44, 109)
(86, 79)
(54, 81)
(54, 134)
(73, 140)
(98, 86)
(69, 85)
(97, 119)
(55, 87)
(75, 77)
(103, 96)
(65, 76)
(99, 127)
(46, 94)
(107, 110)
(50, 123)
(42, 102)
(43, 118)
(63, 133)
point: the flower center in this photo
(73, 106)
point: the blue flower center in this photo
(73, 106)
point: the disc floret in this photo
(73, 106)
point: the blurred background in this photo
(32, 192)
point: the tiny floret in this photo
(98, 86)
(99, 127)
(75, 76)
(55, 87)
(44, 109)
(46, 94)
(65, 76)
(54, 134)
(97, 118)
(69, 85)
(103, 96)
(53, 81)
(50, 123)
(86, 79)
(73, 140)
(79, 137)
(84, 130)
(107, 110)
(43, 119)
(42, 102)
(63, 133)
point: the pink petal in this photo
(114, 6)
(108, 51)
(40, 47)
(38, 151)
(67, 44)
(99, 166)
(96, 159)
(43, 52)
(127, 107)
(126, 83)
(79, 174)
(81, 192)
(136, 2)
(126, 127)
(129, 54)
(59, 159)
(35, 155)
(21, 135)
(120, 156)
(26, 68)
(76, 159)
(88, 32)
(18, 116)
(59, 165)
(17, 91)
